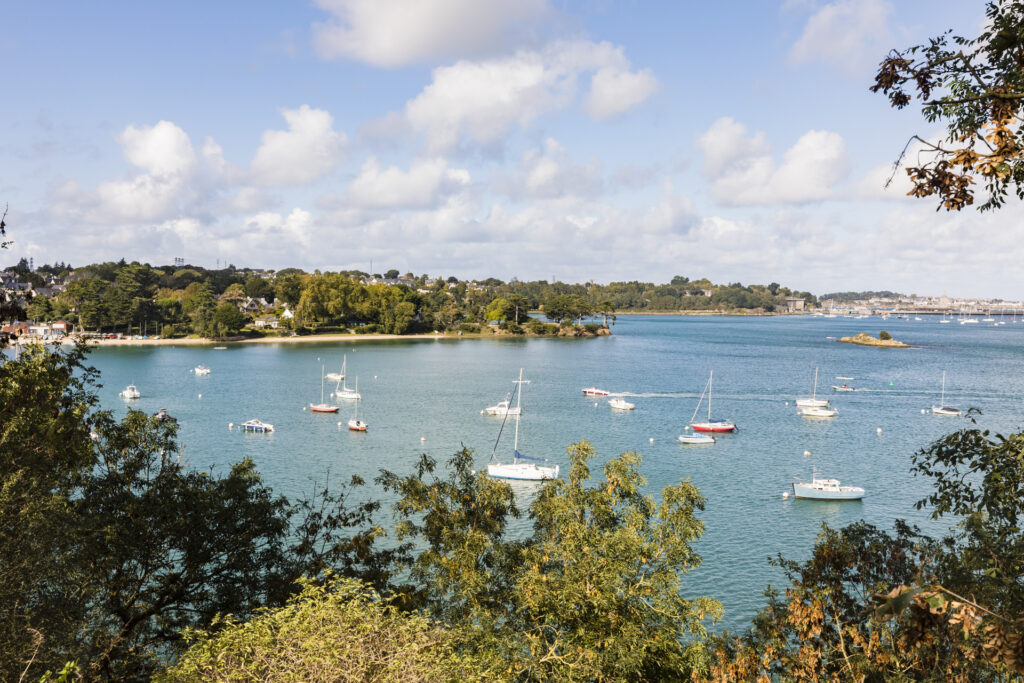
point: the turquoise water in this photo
(426, 396)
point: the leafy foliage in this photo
(340, 630)
(593, 593)
(870, 605)
(975, 86)
(111, 545)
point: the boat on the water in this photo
(842, 387)
(502, 408)
(818, 411)
(322, 406)
(255, 425)
(697, 438)
(844, 378)
(942, 408)
(201, 370)
(813, 401)
(825, 489)
(355, 424)
(162, 416)
(710, 425)
(130, 392)
(342, 390)
(621, 404)
(522, 467)
(594, 391)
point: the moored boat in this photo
(825, 489)
(594, 391)
(942, 408)
(130, 392)
(255, 425)
(817, 411)
(710, 425)
(696, 438)
(522, 467)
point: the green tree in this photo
(112, 544)
(391, 274)
(500, 309)
(339, 631)
(228, 320)
(39, 308)
(975, 88)
(257, 287)
(593, 593)
(288, 287)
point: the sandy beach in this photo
(321, 338)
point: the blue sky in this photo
(581, 140)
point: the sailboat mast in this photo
(321, 383)
(519, 405)
(710, 376)
(942, 400)
(814, 394)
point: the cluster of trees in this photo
(118, 561)
(121, 296)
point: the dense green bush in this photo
(469, 328)
(592, 328)
(884, 336)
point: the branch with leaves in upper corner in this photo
(3, 230)
(975, 87)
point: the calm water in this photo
(426, 396)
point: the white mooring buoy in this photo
(785, 495)
(807, 454)
(651, 439)
(231, 425)
(878, 431)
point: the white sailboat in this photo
(813, 401)
(710, 425)
(818, 411)
(942, 408)
(342, 390)
(518, 469)
(355, 424)
(322, 406)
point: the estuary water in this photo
(426, 396)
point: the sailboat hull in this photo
(713, 426)
(524, 471)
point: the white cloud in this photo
(419, 187)
(742, 171)
(307, 151)
(391, 33)
(614, 90)
(162, 150)
(480, 101)
(853, 34)
(549, 172)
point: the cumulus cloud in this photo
(742, 170)
(481, 100)
(426, 181)
(614, 90)
(162, 150)
(549, 172)
(853, 34)
(391, 33)
(307, 151)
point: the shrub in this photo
(592, 328)
(469, 328)
(537, 327)
(884, 336)
(372, 328)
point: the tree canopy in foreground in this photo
(975, 87)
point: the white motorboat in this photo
(813, 401)
(842, 387)
(201, 370)
(710, 425)
(342, 390)
(696, 438)
(621, 404)
(255, 425)
(131, 392)
(522, 467)
(817, 411)
(502, 408)
(322, 406)
(825, 489)
(942, 408)
(594, 391)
